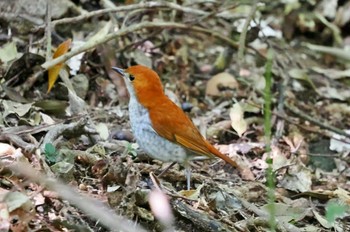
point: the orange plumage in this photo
(160, 127)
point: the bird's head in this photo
(142, 83)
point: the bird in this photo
(160, 127)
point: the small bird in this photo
(160, 127)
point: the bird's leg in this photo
(187, 173)
(166, 169)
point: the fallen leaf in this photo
(337, 145)
(298, 178)
(102, 129)
(334, 93)
(242, 161)
(225, 80)
(193, 194)
(15, 200)
(46, 119)
(8, 52)
(287, 213)
(11, 107)
(55, 70)
(301, 74)
(335, 209)
(322, 220)
(237, 120)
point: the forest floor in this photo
(68, 158)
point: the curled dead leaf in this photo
(225, 80)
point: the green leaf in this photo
(50, 149)
(131, 150)
(269, 161)
(50, 153)
(334, 210)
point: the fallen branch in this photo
(202, 220)
(73, 129)
(323, 125)
(91, 207)
(242, 38)
(304, 116)
(145, 25)
(145, 5)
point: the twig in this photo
(315, 121)
(280, 64)
(202, 220)
(337, 52)
(48, 29)
(8, 17)
(308, 118)
(73, 129)
(145, 5)
(145, 25)
(301, 126)
(140, 42)
(18, 141)
(129, 15)
(91, 207)
(243, 35)
(280, 109)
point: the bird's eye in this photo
(131, 77)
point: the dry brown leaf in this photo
(242, 161)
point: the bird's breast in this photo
(147, 138)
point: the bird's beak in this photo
(119, 70)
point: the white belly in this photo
(154, 145)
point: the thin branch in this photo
(145, 5)
(243, 35)
(48, 29)
(145, 25)
(304, 116)
(313, 120)
(279, 64)
(91, 207)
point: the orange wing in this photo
(170, 122)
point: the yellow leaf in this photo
(62, 48)
(55, 70)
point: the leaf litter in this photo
(79, 132)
